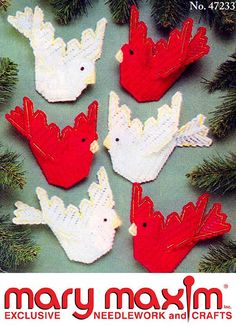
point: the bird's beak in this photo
(133, 229)
(116, 222)
(119, 56)
(94, 147)
(107, 142)
(91, 79)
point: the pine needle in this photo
(169, 13)
(16, 246)
(120, 10)
(220, 259)
(224, 116)
(4, 4)
(223, 20)
(217, 174)
(11, 173)
(8, 78)
(225, 76)
(68, 10)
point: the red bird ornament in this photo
(161, 244)
(65, 157)
(149, 69)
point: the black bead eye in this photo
(83, 140)
(144, 224)
(117, 139)
(131, 52)
(105, 220)
(82, 68)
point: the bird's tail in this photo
(24, 119)
(194, 133)
(25, 214)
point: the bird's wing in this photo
(194, 224)
(100, 193)
(42, 37)
(171, 55)
(119, 116)
(180, 50)
(31, 24)
(92, 41)
(161, 131)
(62, 220)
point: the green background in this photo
(170, 191)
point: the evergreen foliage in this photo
(8, 78)
(225, 76)
(16, 246)
(120, 9)
(11, 173)
(217, 174)
(219, 16)
(169, 13)
(4, 4)
(68, 10)
(223, 120)
(220, 259)
(166, 13)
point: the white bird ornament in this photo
(62, 70)
(85, 233)
(139, 151)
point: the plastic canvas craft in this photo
(139, 151)
(62, 70)
(161, 244)
(65, 157)
(149, 69)
(85, 233)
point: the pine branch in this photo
(169, 13)
(120, 10)
(220, 259)
(11, 173)
(16, 247)
(222, 20)
(225, 21)
(224, 116)
(68, 10)
(224, 78)
(8, 78)
(4, 4)
(217, 174)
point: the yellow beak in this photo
(116, 222)
(133, 229)
(107, 142)
(94, 147)
(119, 56)
(91, 79)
